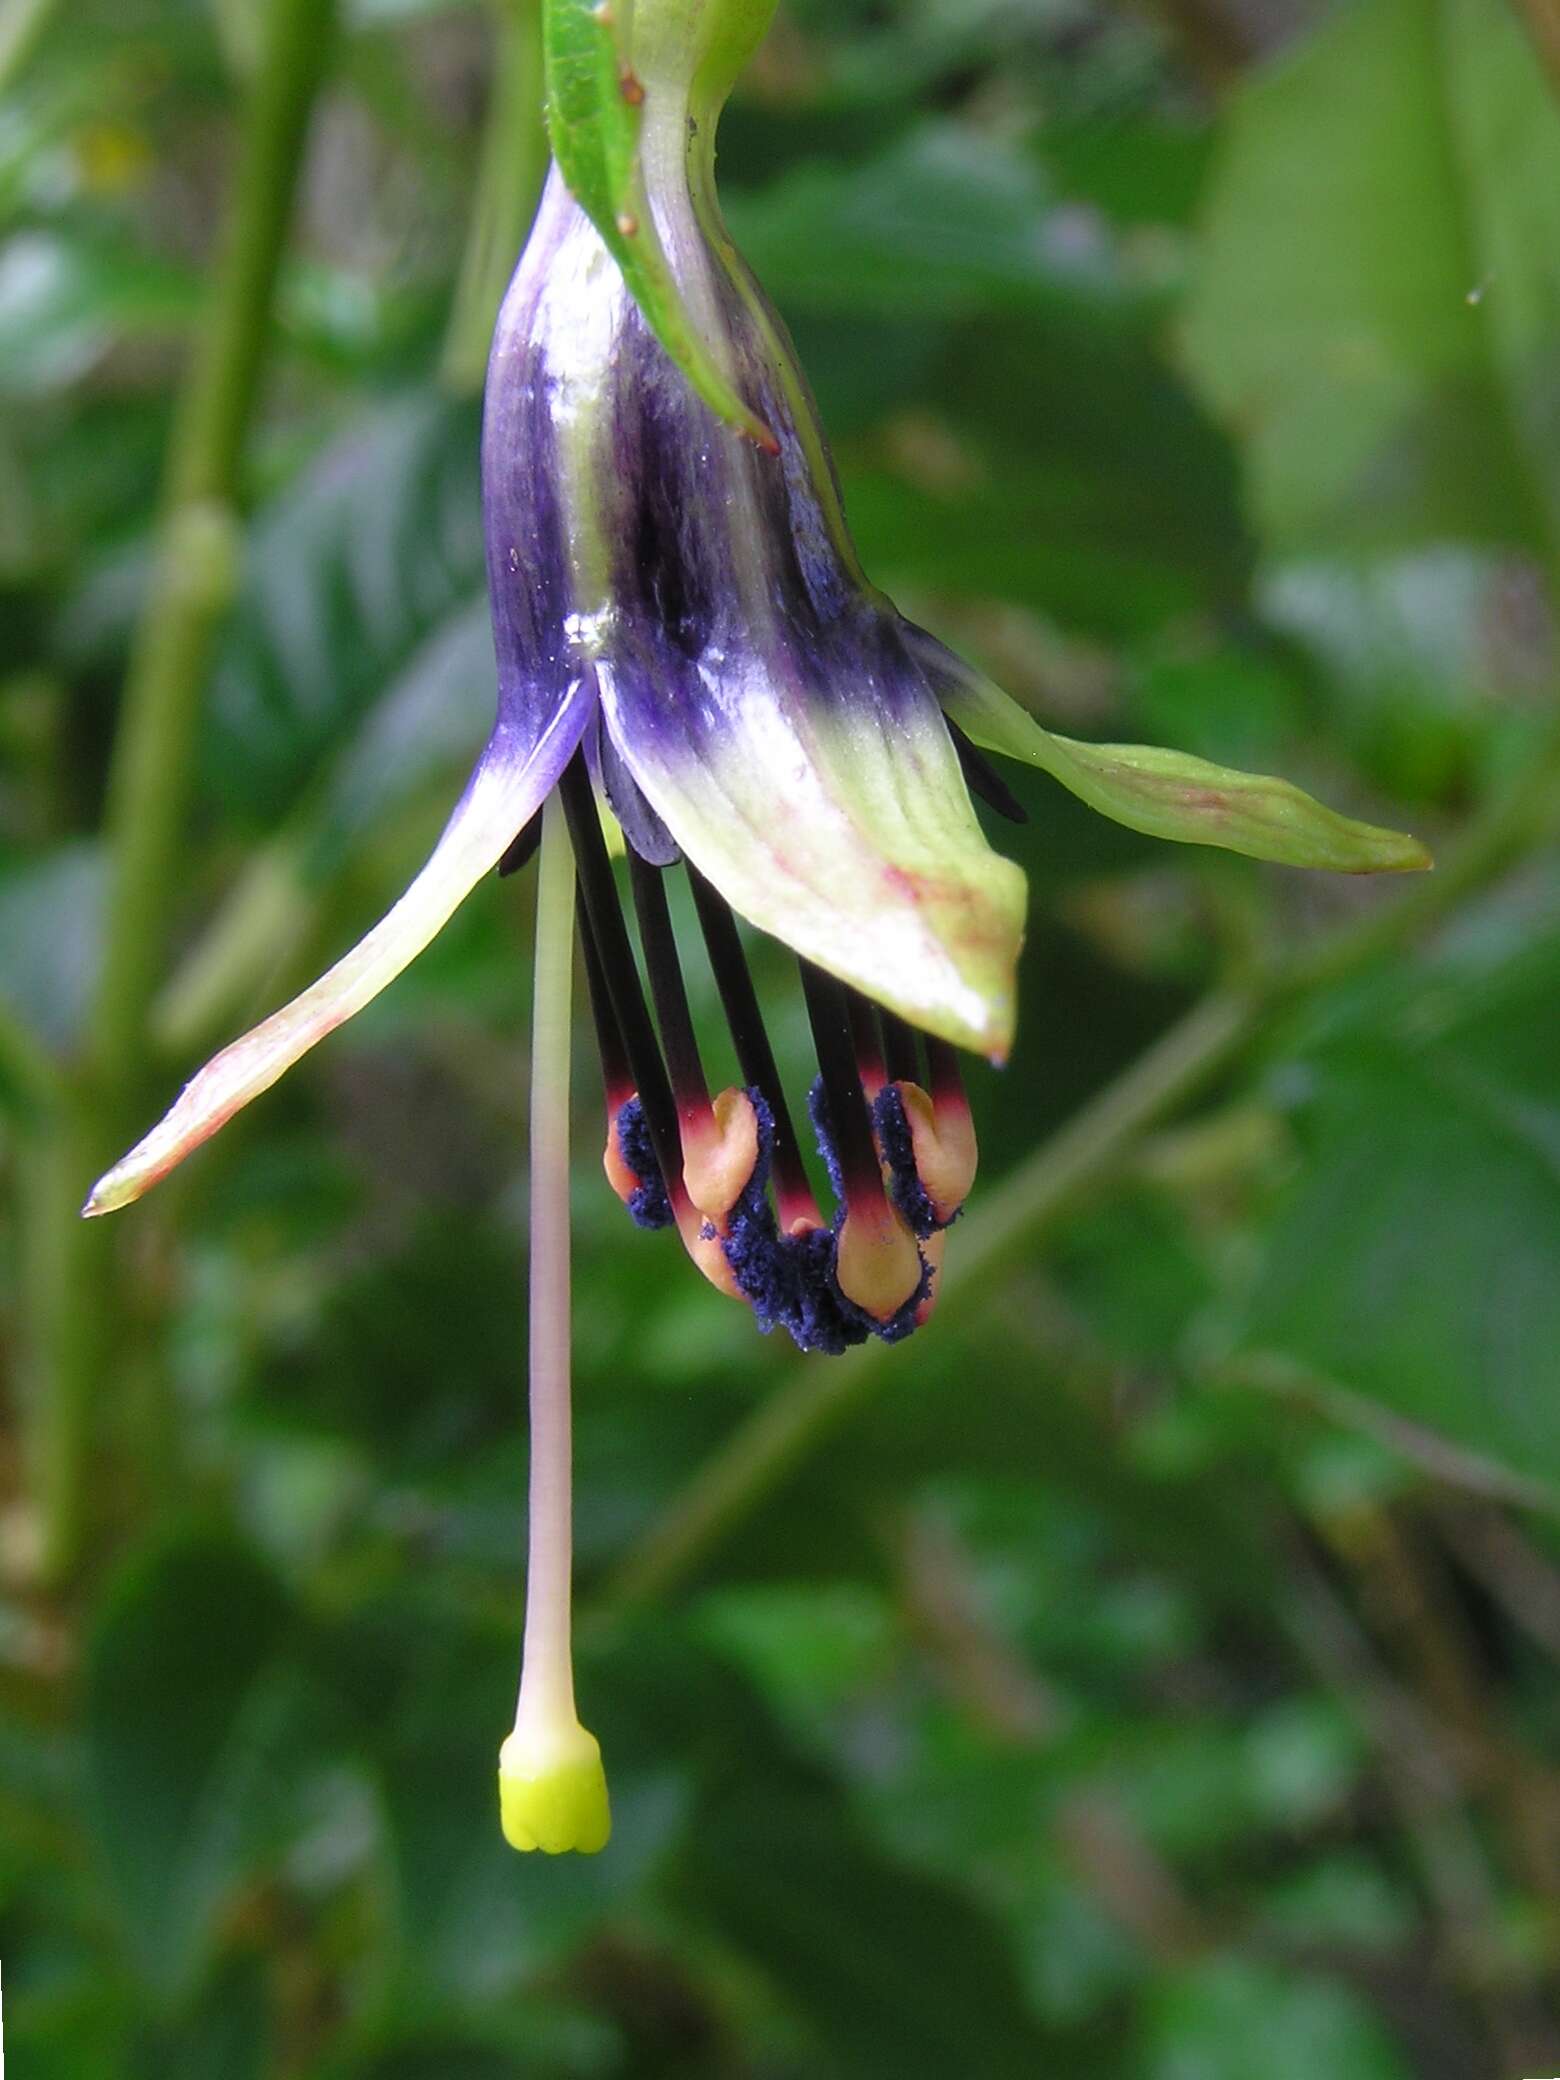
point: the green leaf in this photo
(1228, 2019)
(447, 2058)
(1413, 1264)
(1377, 311)
(947, 222)
(1429, 660)
(898, 1975)
(186, 1697)
(1113, 509)
(1170, 794)
(594, 117)
(228, 2038)
(65, 300)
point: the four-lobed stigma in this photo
(552, 1790)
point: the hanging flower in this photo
(684, 634)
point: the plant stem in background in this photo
(1543, 22)
(795, 1421)
(197, 554)
(514, 159)
(149, 782)
(31, 1086)
(22, 22)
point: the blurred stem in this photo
(261, 923)
(792, 1424)
(22, 22)
(149, 781)
(1213, 41)
(31, 1086)
(1543, 24)
(197, 555)
(514, 159)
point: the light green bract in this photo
(1171, 794)
(604, 59)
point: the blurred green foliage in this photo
(1154, 1675)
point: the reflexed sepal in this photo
(823, 798)
(552, 1790)
(1170, 794)
(512, 778)
(595, 115)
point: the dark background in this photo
(1148, 1672)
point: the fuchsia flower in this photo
(684, 634)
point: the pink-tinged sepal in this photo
(511, 780)
(1169, 794)
(819, 790)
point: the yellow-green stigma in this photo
(552, 1790)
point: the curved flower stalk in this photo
(684, 634)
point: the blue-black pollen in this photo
(898, 1145)
(650, 1206)
(788, 1277)
(788, 1280)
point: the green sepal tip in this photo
(1174, 795)
(595, 117)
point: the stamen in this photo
(952, 1178)
(720, 1142)
(598, 896)
(793, 1194)
(928, 1143)
(675, 1019)
(828, 1012)
(983, 780)
(867, 1041)
(523, 850)
(878, 1266)
(946, 1079)
(616, 1076)
(933, 1250)
(629, 1158)
(901, 1048)
(552, 1790)
(598, 891)
(930, 1153)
